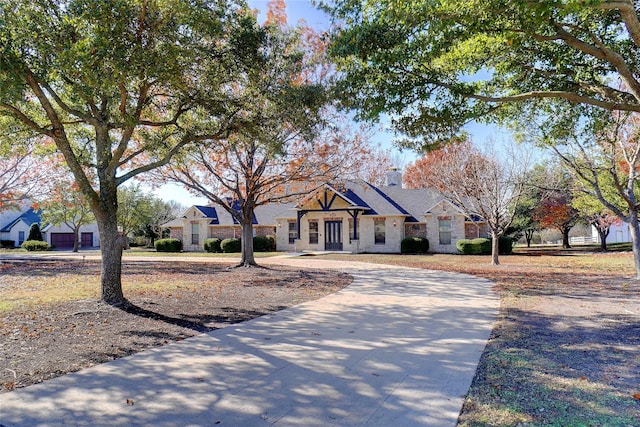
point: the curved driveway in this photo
(397, 347)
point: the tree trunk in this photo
(111, 246)
(75, 239)
(248, 259)
(634, 225)
(111, 243)
(495, 241)
(528, 235)
(603, 238)
(565, 238)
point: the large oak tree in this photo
(435, 65)
(118, 86)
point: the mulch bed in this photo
(39, 342)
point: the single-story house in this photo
(353, 216)
(199, 223)
(15, 226)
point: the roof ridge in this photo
(391, 201)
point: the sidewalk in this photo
(398, 347)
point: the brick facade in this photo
(415, 230)
(473, 230)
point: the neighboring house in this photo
(16, 227)
(353, 216)
(618, 233)
(199, 223)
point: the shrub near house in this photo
(414, 245)
(35, 245)
(212, 245)
(482, 246)
(230, 246)
(168, 245)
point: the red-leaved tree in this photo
(556, 212)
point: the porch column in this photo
(354, 216)
(300, 215)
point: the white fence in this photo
(583, 240)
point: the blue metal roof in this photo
(208, 211)
(29, 217)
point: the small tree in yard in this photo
(479, 184)
(596, 215)
(524, 223)
(65, 204)
(556, 212)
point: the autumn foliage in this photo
(556, 212)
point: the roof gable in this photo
(332, 197)
(207, 211)
(29, 217)
(444, 203)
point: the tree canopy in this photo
(435, 65)
(119, 87)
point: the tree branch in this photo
(15, 112)
(569, 96)
(628, 15)
(604, 53)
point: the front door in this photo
(333, 235)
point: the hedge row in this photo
(168, 245)
(482, 246)
(414, 245)
(260, 244)
(10, 244)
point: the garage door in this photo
(62, 240)
(86, 240)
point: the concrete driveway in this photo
(397, 347)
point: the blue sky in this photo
(296, 10)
